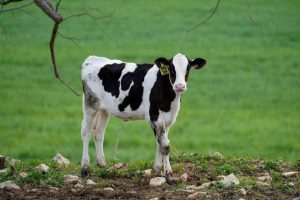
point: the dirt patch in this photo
(137, 187)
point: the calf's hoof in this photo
(85, 171)
(101, 164)
(170, 180)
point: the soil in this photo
(129, 188)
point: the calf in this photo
(133, 91)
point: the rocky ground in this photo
(197, 177)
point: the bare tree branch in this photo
(214, 10)
(15, 8)
(5, 2)
(46, 6)
(52, 51)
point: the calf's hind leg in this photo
(87, 123)
(100, 123)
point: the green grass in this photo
(245, 102)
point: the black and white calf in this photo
(133, 91)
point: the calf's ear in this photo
(198, 63)
(161, 62)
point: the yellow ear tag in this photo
(164, 69)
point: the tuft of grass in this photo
(271, 165)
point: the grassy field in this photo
(245, 102)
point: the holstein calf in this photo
(133, 91)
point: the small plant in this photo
(271, 165)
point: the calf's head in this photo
(177, 69)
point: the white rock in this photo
(183, 190)
(53, 188)
(9, 185)
(217, 155)
(243, 191)
(229, 180)
(3, 171)
(108, 189)
(155, 198)
(13, 161)
(288, 174)
(263, 184)
(62, 161)
(266, 178)
(78, 185)
(196, 194)
(157, 181)
(291, 184)
(192, 187)
(71, 179)
(148, 172)
(23, 174)
(208, 184)
(298, 198)
(118, 165)
(184, 177)
(241, 199)
(42, 168)
(90, 182)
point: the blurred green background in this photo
(245, 102)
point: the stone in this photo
(90, 182)
(229, 180)
(118, 165)
(71, 179)
(196, 194)
(157, 181)
(53, 188)
(193, 187)
(73, 190)
(155, 198)
(62, 161)
(291, 184)
(13, 161)
(263, 184)
(184, 177)
(243, 191)
(183, 190)
(241, 199)
(23, 174)
(78, 185)
(4, 171)
(298, 198)
(42, 168)
(217, 155)
(148, 172)
(289, 174)
(108, 189)
(9, 185)
(207, 185)
(266, 178)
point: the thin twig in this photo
(86, 13)
(72, 39)
(214, 10)
(15, 8)
(5, 2)
(52, 51)
(251, 18)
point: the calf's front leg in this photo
(162, 153)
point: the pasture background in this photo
(245, 102)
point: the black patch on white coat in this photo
(135, 95)
(110, 75)
(161, 96)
